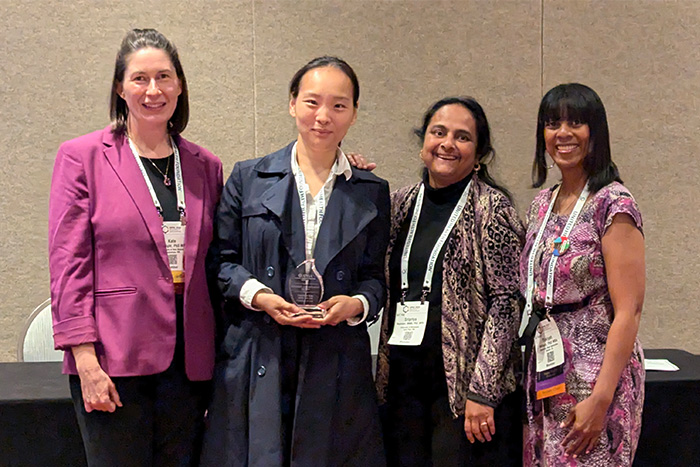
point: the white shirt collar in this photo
(341, 166)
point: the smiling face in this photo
(150, 88)
(449, 145)
(323, 108)
(567, 143)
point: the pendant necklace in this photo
(166, 179)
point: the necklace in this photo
(562, 209)
(135, 149)
(166, 179)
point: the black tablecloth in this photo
(38, 425)
(671, 419)
(37, 421)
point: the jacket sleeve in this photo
(371, 280)
(212, 258)
(228, 238)
(71, 251)
(502, 241)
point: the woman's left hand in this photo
(339, 308)
(585, 422)
(478, 422)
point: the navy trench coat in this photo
(260, 234)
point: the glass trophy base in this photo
(314, 312)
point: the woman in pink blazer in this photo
(130, 222)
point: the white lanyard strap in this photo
(179, 184)
(320, 205)
(430, 269)
(553, 262)
(565, 233)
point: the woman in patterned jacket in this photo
(447, 357)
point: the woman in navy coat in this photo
(291, 389)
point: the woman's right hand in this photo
(283, 312)
(98, 390)
(359, 161)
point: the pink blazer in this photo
(110, 280)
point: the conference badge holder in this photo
(549, 352)
(409, 325)
(174, 232)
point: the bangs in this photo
(562, 104)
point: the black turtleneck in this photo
(419, 370)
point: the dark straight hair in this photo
(320, 62)
(485, 153)
(576, 102)
(134, 40)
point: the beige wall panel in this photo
(57, 61)
(407, 55)
(642, 58)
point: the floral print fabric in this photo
(580, 274)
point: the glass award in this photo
(306, 288)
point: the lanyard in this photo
(430, 269)
(179, 184)
(320, 203)
(553, 262)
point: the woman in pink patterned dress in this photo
(594, 295)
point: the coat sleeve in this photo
(71, 251)
(231, 275)
(371, 280)
(502, 241)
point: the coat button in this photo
(261, 371)
(266, 318)
(340, 275)
(270, 271)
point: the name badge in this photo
(409, 325)
(549, 350)
(175, 246)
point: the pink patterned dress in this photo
(580, 274)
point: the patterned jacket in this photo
(481, 303)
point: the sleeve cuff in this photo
(248, 291)
(355, 320)
(472, 396)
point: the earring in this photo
(551, 166)
(477, 167)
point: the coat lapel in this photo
(280, 197)
(122, 160)
(194, 177)
(347, 213)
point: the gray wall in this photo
(642, 56)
